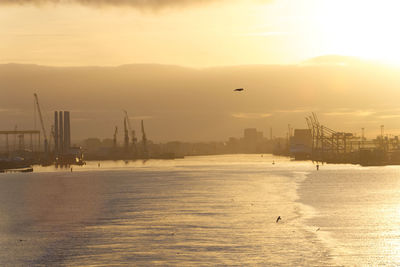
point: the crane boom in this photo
(41, 121)
(131, 131)
(143, 133)
(127, 120)
(40, 115)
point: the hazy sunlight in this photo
(359, 28)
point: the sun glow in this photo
(359, 28)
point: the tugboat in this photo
(74, 156)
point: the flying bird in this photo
(279, 218)
(238, 90)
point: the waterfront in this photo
(213, 210)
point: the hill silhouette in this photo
(181, 103)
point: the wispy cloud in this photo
(335, 60)
(251, 115)
(389, 116)
(357, 113)
(141, 4)
(292, 110)
(266, 34)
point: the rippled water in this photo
(216, 210)
(358, 213)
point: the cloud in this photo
(335, 60)
(140, 4)
(357, 113)
(293, 110)
(251, 115)
(393, 116)
(266, 34)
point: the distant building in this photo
(252, 135)
(301, 144)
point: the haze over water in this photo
(214, 210)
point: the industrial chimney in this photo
(61, 130)
(67, 132)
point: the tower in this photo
(61, 132)
(56, 134)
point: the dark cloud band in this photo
(132, 3)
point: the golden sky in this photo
(212, 33)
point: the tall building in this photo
(301, 144)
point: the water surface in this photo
(215, 210)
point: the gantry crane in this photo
(126, 136)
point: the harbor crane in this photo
(126, 136)
(42, 123)
(131, 131)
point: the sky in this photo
(195, 33)
(295, 56)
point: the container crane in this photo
(42, 123)
(131, 131)
(126, 136)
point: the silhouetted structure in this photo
(340, 147)
(56, 134)
(63, 152)
(145, 152)
(301, 144)
(46, 142)
(126, 137)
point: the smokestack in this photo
(61, 130)
(56, 132)
(67, 131)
